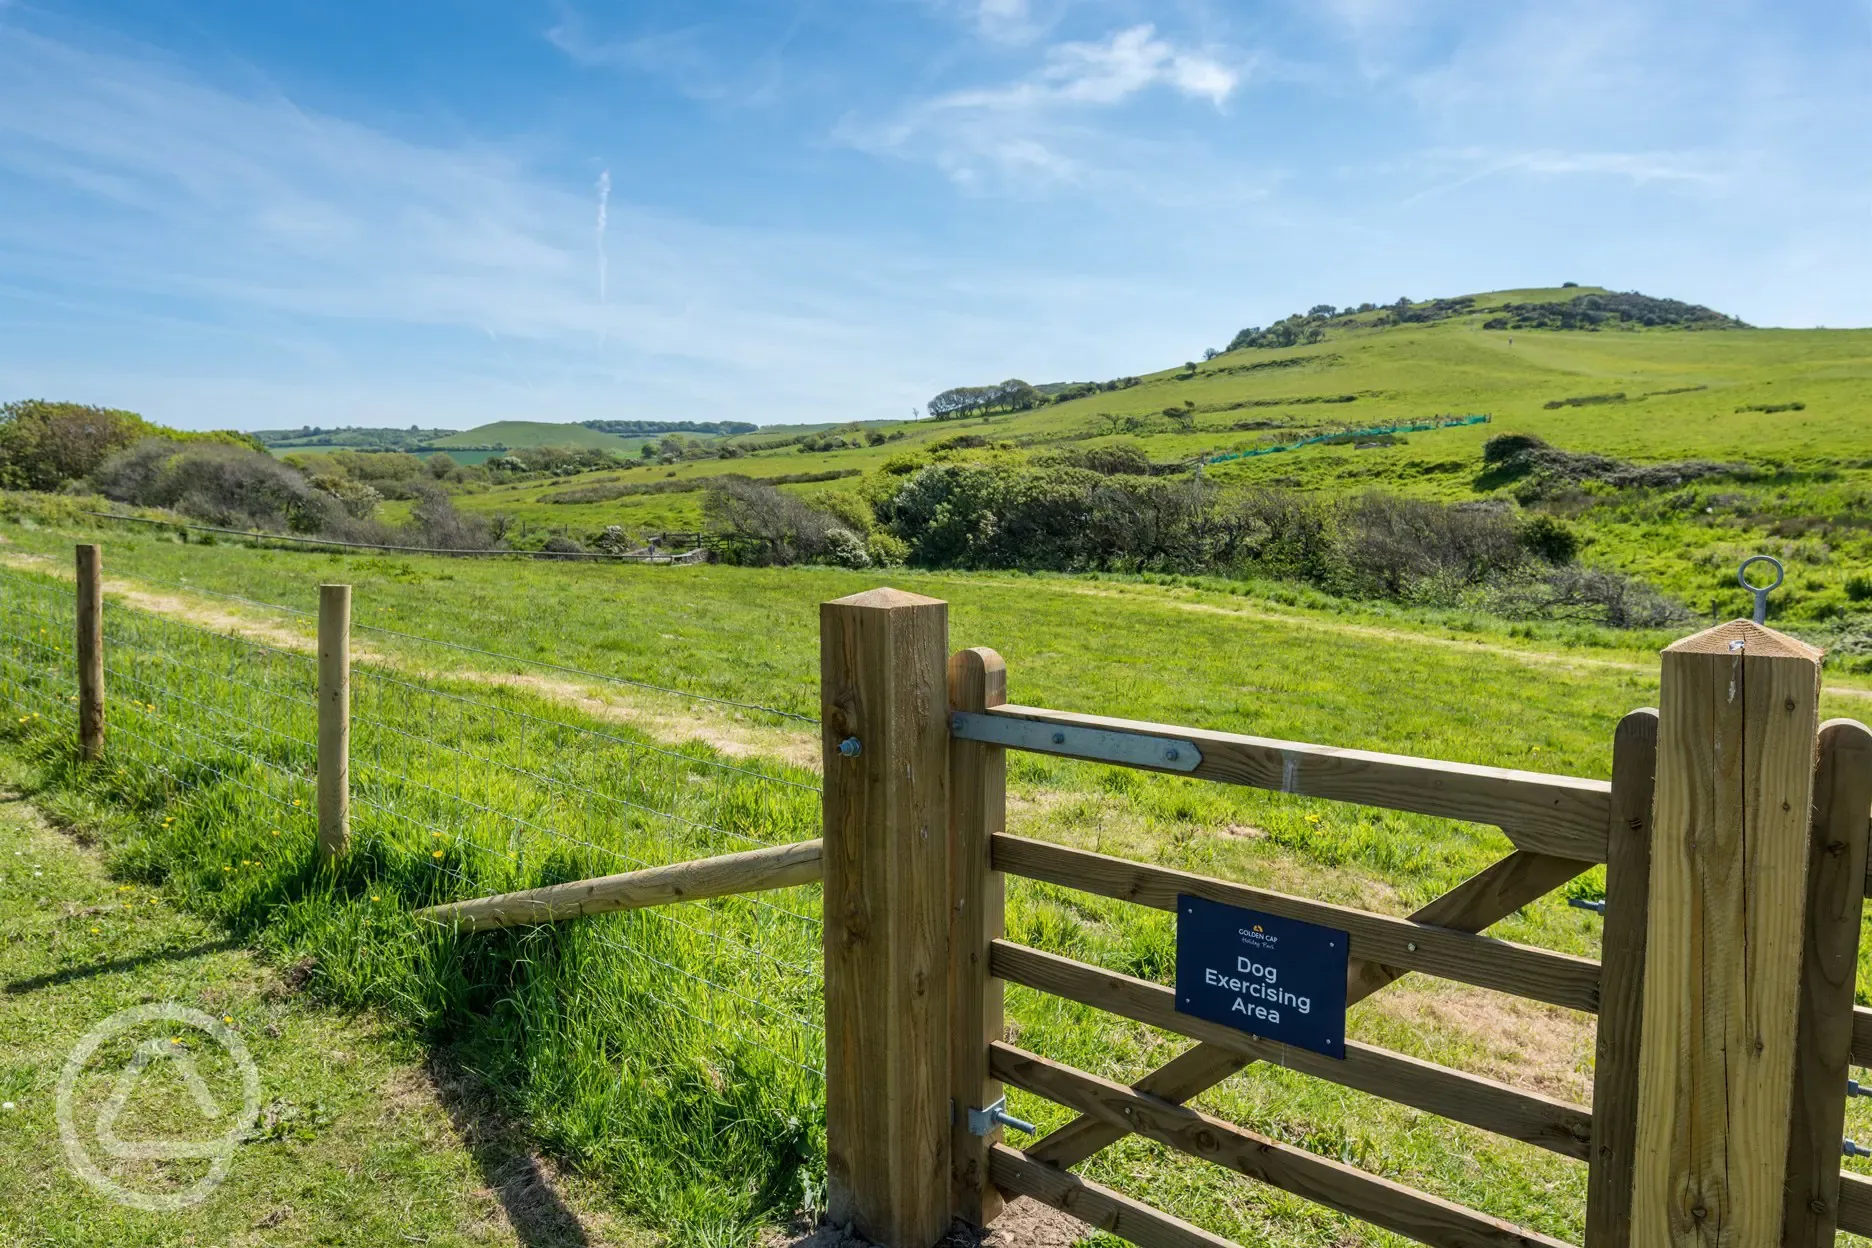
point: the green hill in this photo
(1783, 419)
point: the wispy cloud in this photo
(173, 246)
(1040, 125)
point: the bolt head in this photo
(1171, 754)
(1059, 738)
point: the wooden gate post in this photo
(334, 721)
(884, 709)
(978, 913)
(1618, 1047)
(1738, 721)
(90, 654)
(1836, 884)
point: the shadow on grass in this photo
(117, 966)
(513, 1172)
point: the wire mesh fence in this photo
(462, 784)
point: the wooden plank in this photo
(1621, 1005)
(1738, 717)
(780, 866)
(1836, 865)
(90, 656)
(884, 698)
(1560, 815)
(1114, 1212)
(1454, 1094)
(977, 813)
(1537, 974)
(1481, 900)
(1381, 1202)
(1855, 1204)
(1861, 1036)
(334, 721)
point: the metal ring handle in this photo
(1761, 592)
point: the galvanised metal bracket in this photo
(1100, 744)
(982, 1121)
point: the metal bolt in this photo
(1410, 946)
(1581, 903)
(851, 747)
(1850, 1149)
(1059, 738)
(1170, 755)
(1855, 1088)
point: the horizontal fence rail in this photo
(1424, 1218)
(1555, 978)
(754, 870)
(1526, 1116)
(1559, 815)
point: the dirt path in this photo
(667, 718)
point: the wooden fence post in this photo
(884, 708)
(977, 811)
(1618, 1046)
(1738, 721)
(334, 721)
(1836, 882)
(90, 653)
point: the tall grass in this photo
(676, 1052)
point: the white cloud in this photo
(1041, 125)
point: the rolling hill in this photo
(1785, 416)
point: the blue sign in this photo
(1279, 979)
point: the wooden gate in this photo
(1733, 831)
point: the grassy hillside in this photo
(1644, 395)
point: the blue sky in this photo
(316, 211)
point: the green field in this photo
(673, 1097)
(520, 434)
(1685, 395)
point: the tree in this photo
(1210, 353)
(43, 445)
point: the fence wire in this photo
(465, 789)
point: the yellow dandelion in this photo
(227, 1018)
(295, 801)
(437, 854)
(175, 1039)
(275, 831)
(435, 834)
(375, 897)
(96, 930)
(227, 868)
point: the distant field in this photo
(517, 434)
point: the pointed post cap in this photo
(885, 599)
(1749, 638)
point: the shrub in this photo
(434, 522)
(558, 546)
(221, 484)
(759, 524)
(1549, 538)
(1859, 587)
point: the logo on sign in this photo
(1277, 978)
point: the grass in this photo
(695, 1127)
(354, 1144)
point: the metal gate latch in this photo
(982, 1121)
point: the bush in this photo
(435, 523)
(759, 524)
(44, 445)
(1859, 587)
(559, 547)
(224, 485)
(1549, 538)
